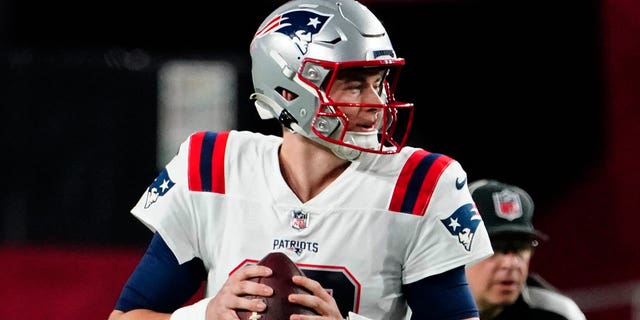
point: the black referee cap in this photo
(505, 209)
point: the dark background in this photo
(519, 91)
(511, 90)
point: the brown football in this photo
(278, 305)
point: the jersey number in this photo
(340, 284)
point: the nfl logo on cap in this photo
(507, 204)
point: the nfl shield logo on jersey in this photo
(299, 219)
(507, 204)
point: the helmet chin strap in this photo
(340, 151)
(368, 140)
(345, 153)
(268, 108)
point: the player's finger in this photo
(251, 272)
(319, 299)
(314, 286)
(257, 305)
(323, 308)
(253, 288)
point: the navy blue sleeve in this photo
(443, 296)
(159, 283)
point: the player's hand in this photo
(230, 297)
(319, 300)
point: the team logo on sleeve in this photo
(463, 224)
(158, 188)
(299, 25)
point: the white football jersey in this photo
(387, 220)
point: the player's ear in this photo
(287, 95)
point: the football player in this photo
(380, 229)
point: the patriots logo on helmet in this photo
(299, 25)
(463, 224)
(158, 188)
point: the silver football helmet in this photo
(300, 47)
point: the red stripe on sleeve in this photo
(403, 180)
(429, 184)
(217, 164)
(195, 148)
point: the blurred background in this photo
(96, 96)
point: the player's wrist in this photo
(196, 311)
(355, 316)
